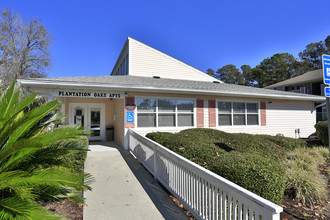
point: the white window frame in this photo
(232, 113)
(176, 127)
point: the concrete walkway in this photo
(123, 189)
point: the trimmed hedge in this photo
(322, 132)
(286, 143)
(160, 137)
(244, 159)
(263, 176)
(226, 142)
(76, 159)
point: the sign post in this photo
(326, 80)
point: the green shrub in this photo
(195, 148)
(322, 132)
(226, 142)
(285, 142)
(263, 176)
(76, 159)
(244, 159)
(159, 137)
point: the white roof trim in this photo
(166, 90)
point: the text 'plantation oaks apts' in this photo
(152, 91)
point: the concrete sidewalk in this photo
(123, 189)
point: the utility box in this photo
(110, 134)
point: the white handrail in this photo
(205, 194)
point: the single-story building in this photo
(307, 83)
(149, 90)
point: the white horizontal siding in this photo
(148, 62)
(282, 117)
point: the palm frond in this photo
(31, 119)
(32, 162)
(8, 99)
(15, 208)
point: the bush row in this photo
(241, 158)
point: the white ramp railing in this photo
(205, 194)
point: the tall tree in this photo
(247, 75)
(230, 74)
(277, 68)
(210, 72)
(311, 56)
(327, 44)
(24, 47)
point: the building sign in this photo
(326, 68)
(327, 91)
(130, 107)
(88, 94)
(129, 116)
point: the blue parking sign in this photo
(326, 68)
(327, 91)
(129, 116)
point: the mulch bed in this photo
(66, 207)
(295, 210)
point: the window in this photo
(224, 113)
(165, 112)
(252, 114)
(123, 67)
(185, 112)
(126, 63)
(238, 113)
(146, 115)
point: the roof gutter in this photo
(164, 90)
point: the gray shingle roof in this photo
(312, 76)
(148, 84)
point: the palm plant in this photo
(32, 164)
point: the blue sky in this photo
(88, 35)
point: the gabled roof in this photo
(148, 61)
(309, 77)
(149, 84)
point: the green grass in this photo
(305, 182)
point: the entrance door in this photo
(91, 116)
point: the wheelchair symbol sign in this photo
(130, 116)
(326, 68)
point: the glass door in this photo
(91, 116)
(95, 123)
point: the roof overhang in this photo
(34, 84)
(293, 84)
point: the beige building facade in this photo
(150, 91)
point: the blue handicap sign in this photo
(327, 91)
(130, 116)
(326, 68)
